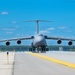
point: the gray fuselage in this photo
(39, 40)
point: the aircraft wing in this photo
(59, 38)
(14, 39)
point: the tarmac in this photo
(66, 56)
(6, 63)
(33, 64)
(27, 63)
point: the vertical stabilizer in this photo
(37, 24)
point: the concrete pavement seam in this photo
(13, 64)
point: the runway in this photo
(6, 63)
(27, 64)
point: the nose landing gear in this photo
(43, 49)
(39, 49)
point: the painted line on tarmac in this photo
(53, 60)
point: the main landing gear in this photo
(39, 49)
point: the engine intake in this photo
(19, 42)
(7, 43)
(32, 37)
(70, 43)
(59, 41)
(45, 37)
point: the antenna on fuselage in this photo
(37, 24)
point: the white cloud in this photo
(4, 13)
(20, 35)
(62, 27)
(69, 31)
(51, 28)
(17, 26)
(44, 31)
(14, 22)
(8, 29)
(9, 32)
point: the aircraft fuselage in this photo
(39, 40)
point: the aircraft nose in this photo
(39, 39)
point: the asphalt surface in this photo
(26, 64)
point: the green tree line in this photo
(26, 48)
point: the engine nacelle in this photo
(7, 43)
(32, 37)
(59, 41)
(45, 37)
(19, 42)
(70, 43)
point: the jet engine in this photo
(7, 43)
(59, 41)
(70, 43)
(19, 42)
(45, 37)
(32, 37)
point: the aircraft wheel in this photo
(47, 49)
(30, 49)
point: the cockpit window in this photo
(40, 35)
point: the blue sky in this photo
(14, 12)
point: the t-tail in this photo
(37, 24)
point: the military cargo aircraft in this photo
(39, 40)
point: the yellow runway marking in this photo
(53, 60)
